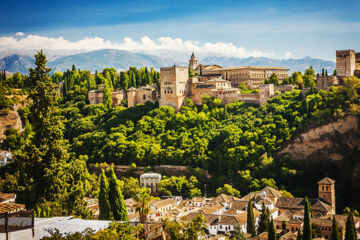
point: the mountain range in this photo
(122, 60)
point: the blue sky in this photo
(280, 29)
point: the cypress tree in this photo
(326, 73)
(104, 204)
(250, 226)
(116, 198)
(307, 235)
(271, 230)
(335, 73)
(323, 72)
(350, 231)
(335, 234)
(264, 219)
(299, 235)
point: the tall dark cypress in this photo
(264, 219)
(250, 226)
(104, 204)
(307, 230)
(116, 198)
(271, 230)
(299, 235)
(350, 231)
(335, 234)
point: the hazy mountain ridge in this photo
(16, 63)
(292, 64)
(120, 59)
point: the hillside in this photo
(292, 64)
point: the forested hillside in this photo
(235, 142)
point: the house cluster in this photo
(5, 157)
(224, 212)
(347, 65)
(176, 85)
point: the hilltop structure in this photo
(347, 65)
(97, 96)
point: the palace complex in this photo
(211, 80)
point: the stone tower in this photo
(345, 63)
(327, 191)
(193, 62)
(174, 86)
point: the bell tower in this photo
(193, 62)
(327, 192)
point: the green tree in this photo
(142, 199)
(250, 221)
(350, 230)
(48, 171)
(107, 101)
(116, 198)
(274, 79)
(299, 234)
(104, 203)
(335, 234)
(228, 189)
(307, 229)
(237, 234)
(309, 78)
(271, 230)
(264, 219)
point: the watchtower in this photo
(193, 62)
(174, 86)
(345, 63)
(327, 191)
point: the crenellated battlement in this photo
(344, 52)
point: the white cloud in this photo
(20, 34)
(145, 44)
(288, 54)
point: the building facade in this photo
(141, 95)
(97, 96)
(150, 180)
(252, 76)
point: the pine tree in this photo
(48, 172)
(350, 231)
(104, 204)
(299, 235)
(307, 229)
(335, 234)
(116, 198)
(264, 219)
(271, 230)
(250, 227)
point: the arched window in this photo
(144, 96)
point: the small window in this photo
(144, 96)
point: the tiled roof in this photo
(298, 203)
(239, 205)
(211, 208)
(261, 236)
(163, 203)
(11, 207)
(6, 196)
(198, 199)
(326, 180)
(289, 236)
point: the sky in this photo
(243, 28)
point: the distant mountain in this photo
(106, 58)
(16, 63)
(292, 64)
(119, 59)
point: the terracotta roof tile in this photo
(11, 207)
(326, 180)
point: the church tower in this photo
(327, 192)
(193, 62)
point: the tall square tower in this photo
(327, 192)
(174, 86)
(345, 63)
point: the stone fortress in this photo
(212, 80)
(347, 65)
